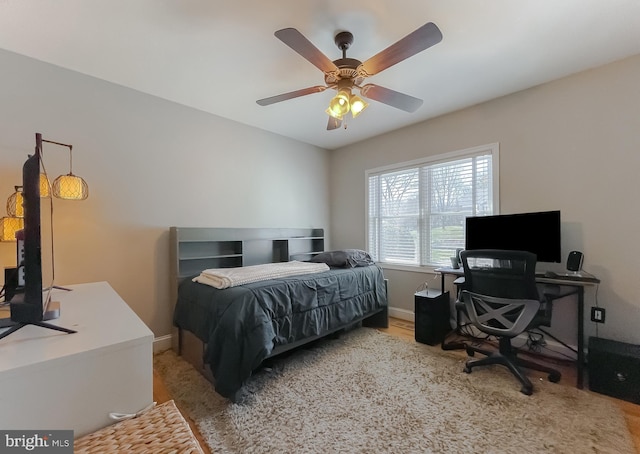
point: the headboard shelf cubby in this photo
(194, 249)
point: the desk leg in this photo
(451, 345)
(580, 383)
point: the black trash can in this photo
(431, 316)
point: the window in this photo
(416, 211)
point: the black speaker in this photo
(574, 261)
(614, 369)
(431, 316)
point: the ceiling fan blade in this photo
(291, 95)
(423, 38)
(296, 40)
(333, 123)
(391, 97)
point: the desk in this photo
(564, 284)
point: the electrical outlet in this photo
(597, 314)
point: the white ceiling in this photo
(221, 56)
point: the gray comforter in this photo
(242, 325)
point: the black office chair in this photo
(500, 298)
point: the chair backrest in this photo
(500, 292)
(500, 273)
(500, 316)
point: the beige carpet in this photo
(370, 392)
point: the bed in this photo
(226, 333)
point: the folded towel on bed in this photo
(230, 277)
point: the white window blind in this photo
(416, 211)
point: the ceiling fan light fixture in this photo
(344, 95)
(337, 107)
(357, 105)
(339, 104)
(333, 114)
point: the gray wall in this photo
(572, 144)
(150, 164)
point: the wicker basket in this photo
(159, 430)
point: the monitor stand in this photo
(19, 325)
(53, 312)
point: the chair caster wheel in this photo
(467, 369)
(470, 351)
(554, 377)
(526, 390)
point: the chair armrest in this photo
(459, 281)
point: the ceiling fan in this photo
(346, 74)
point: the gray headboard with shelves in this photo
(194, 249)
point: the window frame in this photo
(492, 148)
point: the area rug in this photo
(371, 392)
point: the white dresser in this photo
(53, 380)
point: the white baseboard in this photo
(162, 343)
(402, 314)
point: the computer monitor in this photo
(537, 232)
(30, 308)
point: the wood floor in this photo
(161, 394)
(405, 330)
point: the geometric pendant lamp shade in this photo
(14, 204)
(9, 226)
(70, 187)
(44, 186)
